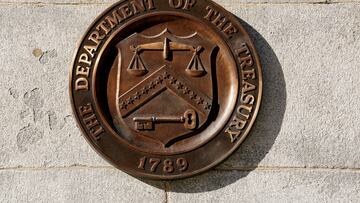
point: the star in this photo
(200, 101)
(166, 75)
(145, 90)
(173, 80)
(123, 105)
(130, 101)
(152, 85)
(137, 96)
(186, 91)
(179, 86)
(207, 106)
(193, 95)
(159, 80)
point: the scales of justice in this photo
(138, 68)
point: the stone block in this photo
(75, 184)
(268, 186)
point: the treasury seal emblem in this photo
(165, 89)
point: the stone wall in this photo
(304, 147)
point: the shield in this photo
(165, 84)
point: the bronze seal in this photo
(165, 89)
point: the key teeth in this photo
(144, 126)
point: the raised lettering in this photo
(247, 99)
(168, 165)
(246, 61)
(113, 20)
(233, 135)
(175, 3)
(90, 49)
(189, 4)
(220, 21)
(238, 123)
(82, 71)
(125, 10)
(243, 50)
(91, 122)
(155, 163)
(81, 84)
(137, 6)
(102, 26)
(211, 12)
(243, 112)
(249, 74)
(246, 108)
(248, 87)
(230, 30)
(183, 4)
(151, 4)
(84, 58)
(96, 37)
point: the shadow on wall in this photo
(259, 141)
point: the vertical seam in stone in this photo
(166, 192)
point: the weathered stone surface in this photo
(37, 128)
(268, 186)
(343, 1)
(75, 185)
(311, 101)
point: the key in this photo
(189, 119)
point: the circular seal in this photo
(165, 89)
